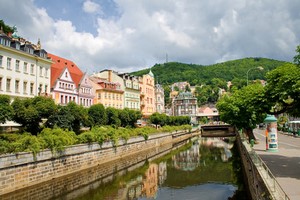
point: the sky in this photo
(130, 35)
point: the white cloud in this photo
(90, 7)
(190, 31)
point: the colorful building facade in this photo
(68, 83)
(160, 98)
(147, 97)
(24, 68)
(128, 84)
(107, 92)
(185, 104)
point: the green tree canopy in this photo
(6, 111)
(297, 56)
(30, 112)
(113, 116)
(6, 29)
(283, 90)
(97, 115)
(244, 108)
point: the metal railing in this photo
(275, 189)
(269, 179)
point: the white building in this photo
(24, 68)
(160, 98)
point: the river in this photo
(206, 169)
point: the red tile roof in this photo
(59, 65)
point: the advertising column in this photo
(271, 137)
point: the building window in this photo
(41, 71)
(46, 88)
(46, 73)
(17, 83)
(1, 83)
(25, 87)
(17, 65)
(8, 84)
(25, 67)
(66, 75)
(32, 69)
(31, 88)
(8, 63)
(1, 58)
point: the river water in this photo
(206, 169)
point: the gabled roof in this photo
(58, 66)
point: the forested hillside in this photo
(171, 72)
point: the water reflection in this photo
(199, 170)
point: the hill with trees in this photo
(172, 72)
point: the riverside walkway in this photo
(283, 164)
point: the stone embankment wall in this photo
(255, 184)
(22, 170)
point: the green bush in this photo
(5, 147)
(27, 143)
(58, 139)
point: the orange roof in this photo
(59, 65)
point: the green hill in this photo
(171, 72)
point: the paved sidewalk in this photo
(284, 164)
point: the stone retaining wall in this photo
(22, 170)
(255, 184)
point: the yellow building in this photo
(147, 97)
(107, 93)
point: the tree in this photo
(297, 56)
(124, 117)
(187, 88)
(6, 110)
(26, 114)
(167, 91)
(113, 117)
(97, 114)
(244, 108)
(61, 118)
(44, 105)
(283, 90)
(219, 83)
(80, 115)
(6, 29)
(158, 119)
(30, 112)
(238, 83)
(71, 117)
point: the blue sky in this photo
(129, 35)
(82, 13)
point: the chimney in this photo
(109, 75)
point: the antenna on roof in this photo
(166, 58)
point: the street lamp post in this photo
(259, 68)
